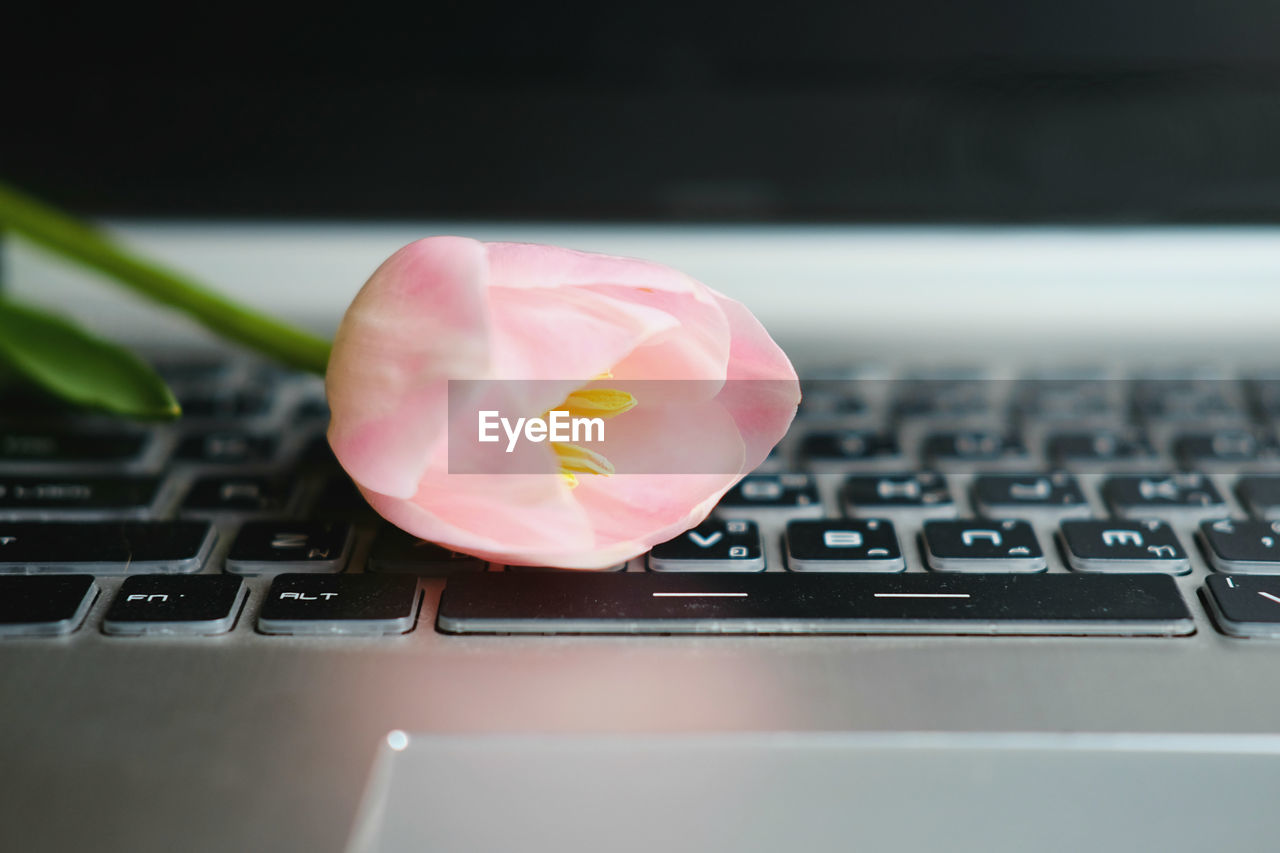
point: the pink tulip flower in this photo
(450, 308)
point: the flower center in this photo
(602, 403)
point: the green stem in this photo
(67, 236)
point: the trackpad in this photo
(821, 792)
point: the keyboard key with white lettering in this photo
(1242, 547)
(339, 604)
(77, 497)
(1184, 493)
(982, 545)
(1057, 494)
(175, 604)
(716, 545)
(1245, 605)
(1117, 545)
(290, 546)
(239, 494)
(792, 495)
(849, 545)
(923, 493)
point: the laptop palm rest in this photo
(820, 792)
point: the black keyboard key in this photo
(1095, 401)
(1190, 400)
(943, 399)
(1260, 496)
(924, 492)
(239, 494)
(196, 370)
(1245, 606)
(1159, 494)
(398, 552)
(851, 449)
(1056, 493)
(1242, 547)
(794, 495)
(814, 603)
(317, 453)
(226, 448)
(136, 547)
(851, 545)
(230, 405)
(1265, 393)
(970, 447)
(339, 604)
(65, 447)
(290, 546)
(41, 497)
(1092, 448)
(339, 498)
(715, 545)
(982, 545)
(1123, 546)
(1218, 449)
(175, 604)
(44, 606)
(831, 400)
(312, 408)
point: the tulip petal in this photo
(761, 390)
(421, 319)
(529, 265)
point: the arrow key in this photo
(716, 545)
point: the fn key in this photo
(339, 604)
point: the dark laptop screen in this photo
(987, 110)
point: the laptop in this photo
(1011, 582)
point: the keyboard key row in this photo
(58, 448)
(975, 545)
(160, 547)
(145, 605)
(717, 545)
(369, 605)
(1057, 493)
(861, 449)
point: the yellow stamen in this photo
(597, 403)
(574, 458)
(601, 403)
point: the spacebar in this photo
(812, 603)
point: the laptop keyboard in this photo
(1074, 504)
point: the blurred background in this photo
(1093, 111)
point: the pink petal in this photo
(420, 319)
(762, 390)
(525, 265)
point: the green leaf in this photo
(71, 238)
(68, 362)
